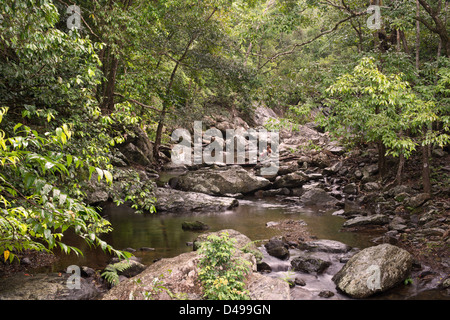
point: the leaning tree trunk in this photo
(162, 116)
(164, 111)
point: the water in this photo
(164, 234)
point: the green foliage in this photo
(408, 281)
(73, 97)
(369, 106)
(111, 272)
(221, 273)
(35, 212)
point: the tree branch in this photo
(292, 50)
(136, 102)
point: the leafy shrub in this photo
(34, 211)
(221, 273)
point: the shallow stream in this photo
(163, 232)
(162, 236)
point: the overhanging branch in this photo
(298, 45)
(137, 102)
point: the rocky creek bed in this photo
(410, 230)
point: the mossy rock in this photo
(194, 226)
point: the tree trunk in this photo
(250, 46)
(417, 33)
(163, 113)
(108, 102)
(404, 42)
(439, 27)
(445, 23)
(381, 159)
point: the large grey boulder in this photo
(219, 182)
(179, 277)
(178, 201)
(138, 148)
(331, 246)
(263, 287)
(135, 155)
(318, 197)
(46, 286)
(372, 270)
(291, 180)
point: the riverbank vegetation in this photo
(75, 85)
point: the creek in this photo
(164, 234)
(156, 236)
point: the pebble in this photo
(326, 294)
(299, 281)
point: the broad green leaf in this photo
(108, 176)
(100, 173)
(69, 159)
(17, 126)
(91, 170)
(29, 180)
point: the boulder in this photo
(135, 155)
(263, 287)
(370, 170)
(320, 160)
(242, 241)
(400, 189)
(194, 226)
(96, 197)
(291, 180)
(334, 168)
(45, 286)
(175, 201)
(309, 263)
(376, 219)
(318, 197)
(374, 269)
(140, 140)
(263, 114)
(179, 277)
(218, 182)
(326, 294)
(417, 201)
(330, 246)
(288, 167)
(398, 224)
(274, 192)
(299, 281)
(351, 188)
(371, 186)
(277, 248)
